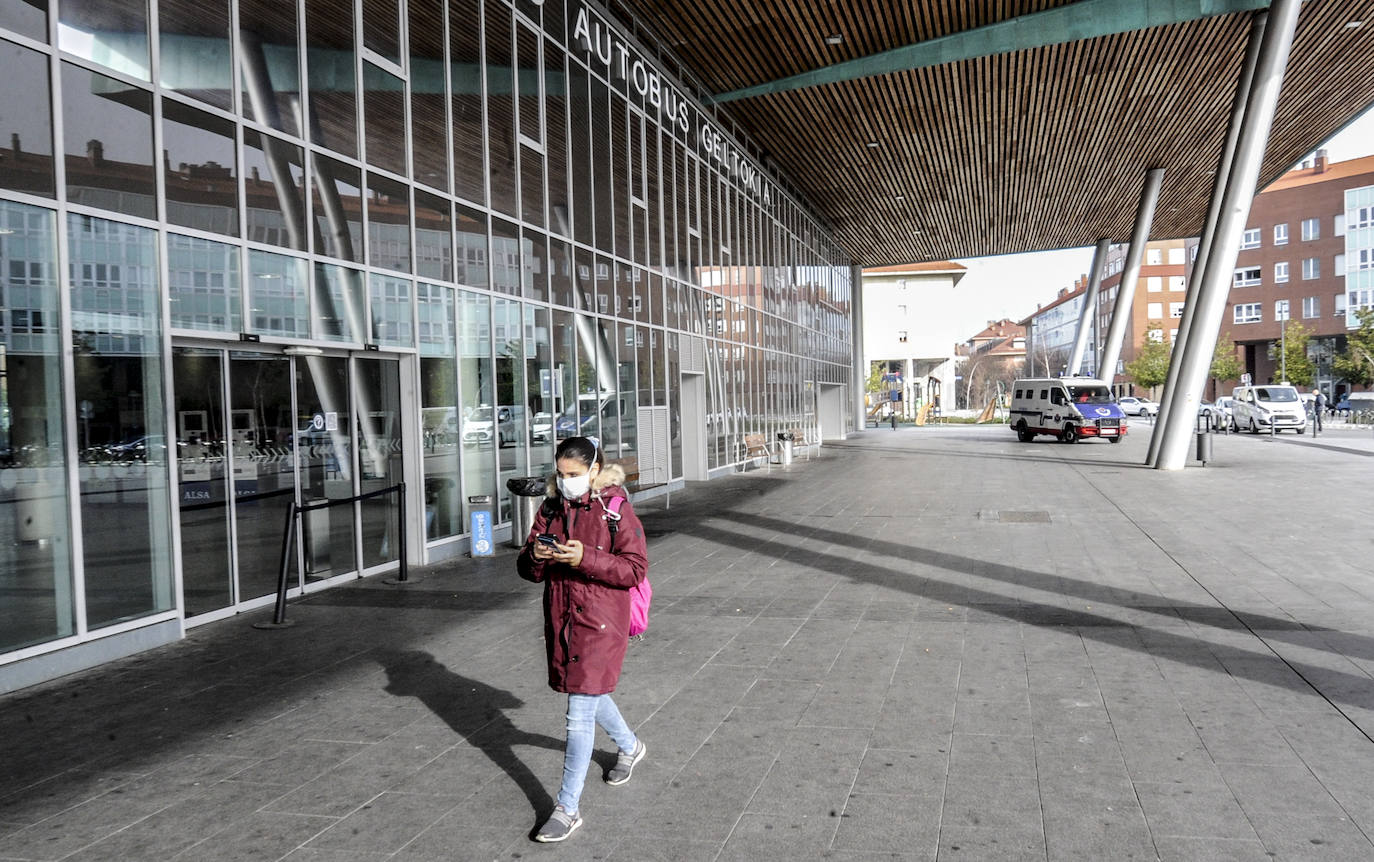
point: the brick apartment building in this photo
(1292, 263)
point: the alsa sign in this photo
(622, 63)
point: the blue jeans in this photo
(585, 712)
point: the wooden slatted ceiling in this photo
(1038, 149)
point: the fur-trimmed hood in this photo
(611, 476)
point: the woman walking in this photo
(589, 552)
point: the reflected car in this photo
(541, 429)
(478, 427)
(1133, 406)
(139, 448)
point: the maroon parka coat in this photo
(587, 609)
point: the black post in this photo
(279, 620)
(401, 529)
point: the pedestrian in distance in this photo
(588, 569)
(1318, 405)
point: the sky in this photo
(1011, 285)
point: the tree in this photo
(1225, 364)
(1291, 353)
(1356, 364)
(1150, 368)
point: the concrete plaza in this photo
(928, 643)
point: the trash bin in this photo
(480, 525)
(527, 494)
(1204, 439)
(785, 442)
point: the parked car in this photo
(1132, 406)
(1221, 411)
(1273, 406)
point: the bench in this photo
(801, 441)
(631, 467)
(756, 446)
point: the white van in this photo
(1276, 406)
(1069, 408)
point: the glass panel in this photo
(428, 117)
(391, 308)
(556, 146)
(35, 549)
(379, 455)
(384, 110)
(540, 406)
(433, 237)
(194, 43)
(108, 143)
(646, 344)
(560, 273)
(278, 303)
(388, 223)
(507, 335)
(202, 186)
(202, 484)
(382, 28)
(204, 288)
(26, 163)
(529, 78)
(333, 78)
(674, 368)
(439, 409)
(113, 33)
(626, 401)
(465, 55)
(500, 107)
(117, 335)
(260, 429)
(27, 17)
(274, 188)
(535, 269)
(505, 257)
(338, 199)
(563, 392)
(339, 304)
(269, 60)
(580, 154)
(325, 454)
(471, 258)
(600, 147)
(478, 392)
(532, 186)
(621, 160)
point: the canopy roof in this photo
(940, 129)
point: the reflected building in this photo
(258, 254)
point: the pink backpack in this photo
(641, 593)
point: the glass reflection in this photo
(501, 131)
(263, 482)
(428, 114)
(385, 112)
(27, 17)
(269, 64)
(333, 78)
(26, 162)
(465, 57)
(274, 190)
(339, 305)
(439, 409)
(113, 33)
(560, 274)
(338, 200)
(433, 237)
(540, 406)
(382, 28)
(204, 286)
(36, 597)
(193, 41)
(206, 555)
(278, 302)
(471, 255)
(107, 130)
(388, 223)
(508, 339)
(201, 184)
(506, 274)
(324, 452)
(563, 387)
(379, 456)
(477, 387)
(117, 336)
(390, 302)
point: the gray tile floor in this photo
(924, 644)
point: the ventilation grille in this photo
(693, 355)
(653, 446)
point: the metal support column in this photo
(1196, 359)
(1130, 276)
(1089, 312)
(1204, 251)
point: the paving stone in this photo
(876, 822)
(965, 843)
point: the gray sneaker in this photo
(625, 764)
(559, 826)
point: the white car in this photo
(1133, 406)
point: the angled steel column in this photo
(1235, 209)
(1085, 317)
(1130, 276)
(1204, 250)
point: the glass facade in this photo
(304, 250)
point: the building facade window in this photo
(1311, 307)
(1175, 309)
(1311, 229)
(1281, 272)
(1247, 312)
(1338, 266)
(1280, 309)
(1154, 310)
(1311, 268)
(1154, 283)
(1247, 277)
(1176, 256)
(1281, 234)
(1251, 239)
(1154, 256)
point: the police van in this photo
(1069, 408)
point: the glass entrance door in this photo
(258, 430)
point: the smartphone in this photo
(546, 539)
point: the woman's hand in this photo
(570, 553)
(542, 552)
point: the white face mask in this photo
(573, 487)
